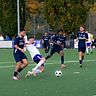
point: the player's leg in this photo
(62, 58)
(91, 48)
(42, 61)
(32, 73)
(18, 66)
(80, 58)
(53, 50)
(24, 64)
(87, 48)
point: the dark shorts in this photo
(55, 49)
(46, 45)
(19, 57)
(82, 49)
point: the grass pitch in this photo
(75, 81)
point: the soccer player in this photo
(82, 37)
(19, 56)
(89, 43)
(36, 57)
(46, 42)
(58, 45)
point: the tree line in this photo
(67, 15)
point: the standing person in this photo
(36, 57)
(1, 37)
(64, 41)
(82, 37)
(89, 43)
(58, 45)
(19, 56)
(46, 42)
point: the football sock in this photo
(38, 65)
(47, 57)
(82, 57)
(62, 59)
(87, 51)
(38, 71)
(80, 61)
(19, 70)
(15, 73)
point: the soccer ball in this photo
(58, 73)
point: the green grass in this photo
(47, 84)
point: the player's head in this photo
(82, 29)
(22, 32)
(60, 32)
(31, 39)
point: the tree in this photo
(66, 14)
(8, 16)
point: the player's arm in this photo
(22, 50)
(16, 46)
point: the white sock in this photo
(38, 71)
(90, 49)
(87, 50)
(38, 65)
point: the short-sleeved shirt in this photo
(59, 39)
(82, 37)
(20, 43)
(46, 39)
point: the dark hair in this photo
(22, 29)
(59, 31)
(31, 37)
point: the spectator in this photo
(7, 38)
(1, 37)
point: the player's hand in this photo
(22, 50)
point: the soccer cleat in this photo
(63, 66)
(15, 78)
(34, 73)
(28, 74)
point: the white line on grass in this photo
(47, 63)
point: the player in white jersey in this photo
(89, 43)
(36, 57)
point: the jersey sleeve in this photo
(16, 41)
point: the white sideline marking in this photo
(75, 61)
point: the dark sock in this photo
(47, 57)
(19, 70)
(15, 74)
(62, 59)
(82, 57)
(80, 61)
(46, 51)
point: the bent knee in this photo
(43, 59)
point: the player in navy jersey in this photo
(19, 56)
(58, 45)
(82, 37)
(46, 42)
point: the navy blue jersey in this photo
(59, 39)
(82, 36)
(20, 43)
(46, 39)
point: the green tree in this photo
(8, 16)
(66, 14)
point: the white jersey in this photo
(32, 50)
(89, 38)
